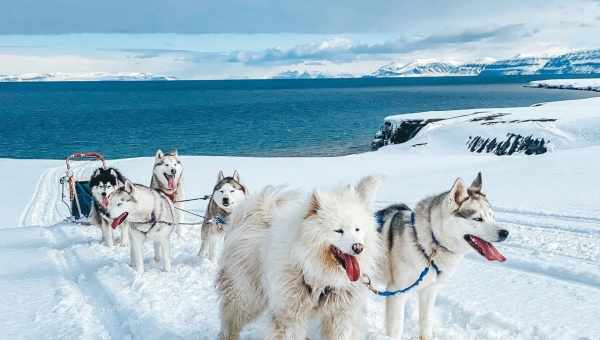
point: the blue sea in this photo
(321, 117)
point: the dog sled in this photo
(76, 193)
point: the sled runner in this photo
(79, 199)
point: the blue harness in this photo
(379, 218)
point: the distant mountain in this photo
(515, 66)
(583, 62)
(96, 76)
(426, 68)
(294, 74)
(419, 68)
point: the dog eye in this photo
(478, 219)
(231, 191)
(357, 229)
(339, 231)
(222, 191)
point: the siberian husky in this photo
(151, 216)
(299, 258)
(227, 193)
(167, 176)
(446, 227)
(104, 182)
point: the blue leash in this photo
(388, 293)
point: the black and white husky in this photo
(227, 193)
(445, 227)
(167, 176)
(150, 215)
(104, 182)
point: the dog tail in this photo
(393, 219)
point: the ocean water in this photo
(323, 117)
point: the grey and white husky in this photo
(227, 193)
(150, 215)
(446, 227)
(104, 182)
(167, 176)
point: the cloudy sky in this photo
(213, 39)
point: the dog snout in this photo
(173, 172)
(226, 200)
(357, 248)
(502, 234)
(104, 194)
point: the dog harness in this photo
(410, 221)
(323, 294)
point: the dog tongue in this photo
(171, 181)
(117, 221)
(489, 251)
(352, 268)
(104, 202)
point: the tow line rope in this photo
(203, 198)
(219, 220)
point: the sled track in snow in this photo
(84, 277)
(46, 206)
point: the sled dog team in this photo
(295, 257)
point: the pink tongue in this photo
(490, 252)
(352, 268)
(104, 202)
(171, 181)
(117, 221)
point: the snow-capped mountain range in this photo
(583, 62)
(94, 76)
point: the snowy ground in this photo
(58, 282)
(570, 84)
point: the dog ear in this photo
(220, 176)
(476, 186)
(367, 188)
(174, 153)
(97, 172)
(129, 187)
(313, 206)
(236, 176)
(159, 155)
(458, 194)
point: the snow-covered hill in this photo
(532, 130)
(58, 282)
(94, 76)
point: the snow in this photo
(57, 281)
(592, 84)
(93, 76)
